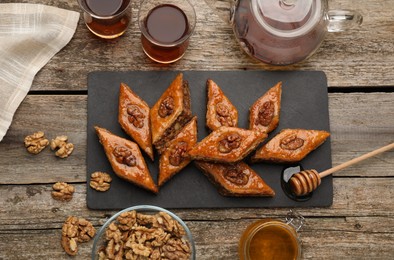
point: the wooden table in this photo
(360, 69)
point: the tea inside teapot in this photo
(279, 31)
(283, 32)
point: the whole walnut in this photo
(62, 191)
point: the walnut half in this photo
(64, 148)
(229, 143)
(36, 142)
(62, 191)
(135, 116)
(178, 153)
(266, 113)
(100, 181)
(236, 176)
(291, 142)
(166, 107)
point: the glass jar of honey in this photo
(272, 239)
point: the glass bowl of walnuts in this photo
(144, 232)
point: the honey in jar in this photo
(269, 239)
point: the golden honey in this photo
(269, 239)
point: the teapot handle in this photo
(341, 20)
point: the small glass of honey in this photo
(107, 19)
(166, 27)
(272, 239)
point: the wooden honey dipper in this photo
(307, 181)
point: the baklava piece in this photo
(235, 180)
(290, 146)
(175, 156)
(133, 117)
(264, 113)
(170, 113)
(220, 111)
(126, 159)
(227, 145)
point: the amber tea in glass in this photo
(107, 19)
(166, 27)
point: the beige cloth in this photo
(30, 35)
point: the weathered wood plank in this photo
(31, 206)
(362, 57)
(55, 115)
(215, 240)
(359, 123)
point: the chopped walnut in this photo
(229, 143)
(291, 142)
(114, 250)
(140, 249)
(36, 142)
(176, 249)
(178, 153)
(266, 113)
(75, 230)
(64, 148)
(100, 181)
(127, 220)
(145, 219)
(236, 176)
(168, 224)
(142, 236)
(113, 233)
(125, 156)
(166, 107)
(86, 231)
(136, 117)
(223, 115)
(62, 191)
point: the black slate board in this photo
(304, 105)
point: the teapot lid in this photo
(287, 18)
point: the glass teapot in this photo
(282, 32)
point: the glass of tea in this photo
(107, 19)
(272, 239)
(166, 27)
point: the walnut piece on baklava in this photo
(126, 159)
(171, 112)
(237, 180)
(227, 144)
(175, 157)
(133, 116)
(290, 146)
(264, 113)
(220, 111)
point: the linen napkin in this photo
(30, 35)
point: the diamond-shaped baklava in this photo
(235, 179)
(171, 112)
(126, 159)
(220, 111)
(175, 156)
(290, 146)
(227, 144)
(133, 117)
(264, 113)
